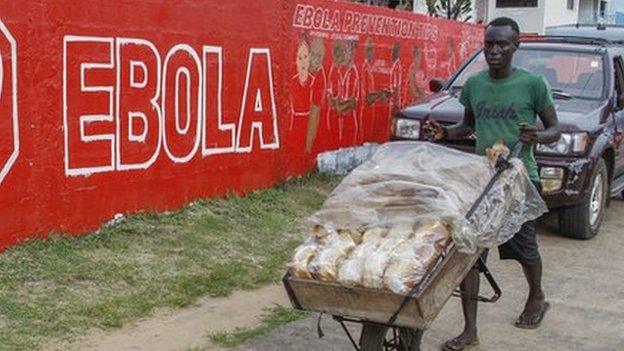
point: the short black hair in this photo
(505, 21)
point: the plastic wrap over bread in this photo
(412, 182)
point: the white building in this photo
(534, 16)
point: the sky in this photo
(617, 5)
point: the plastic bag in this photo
(410, 182)
(408, 266)
(301, 258)
(324, 265)
(374, 266)
(352, 268)
(411, 259)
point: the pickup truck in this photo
(585, 168)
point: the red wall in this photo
(113, 107)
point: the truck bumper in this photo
(576, 174)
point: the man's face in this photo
(349, 52)
(499, 46)
(339, 53)
(317, 53)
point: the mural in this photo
(122, 109)
(380, 62)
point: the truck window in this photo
(579, 74)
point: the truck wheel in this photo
(372, 338)
(583, 221)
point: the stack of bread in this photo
(395, 258)
(391, 218)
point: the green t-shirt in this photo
(500, 105)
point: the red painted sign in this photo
(354, 66)
(119, 107)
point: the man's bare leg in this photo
(536, 304)
(470, 290)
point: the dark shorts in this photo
(522, 247)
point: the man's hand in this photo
(433, 130)
(528, 134)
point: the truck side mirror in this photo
(436, 85)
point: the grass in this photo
(60, 287)
(277, 317)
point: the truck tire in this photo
(583, 221)
(373, 336)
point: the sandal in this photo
(523, 325)
(452, 345)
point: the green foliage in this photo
(277, 317)
(450, 9)
(57, 288)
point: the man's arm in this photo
(529, 134)
(460, 130)
(463, 128)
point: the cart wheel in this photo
(409, 339)
(372, 338)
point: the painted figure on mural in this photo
(396, 79)
(470, 42)
(317, 55)
(448, 64)
(373, 93)
(416, 79)
(301, 85)
(431, 58)
(307, 89)
(464, 51)
(342, 92)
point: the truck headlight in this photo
(568, 143)
(407, 128)
(551, 178)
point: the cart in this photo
(382, 308)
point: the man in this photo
(301, 84)
(416, 80)
(396, 77)
(375, 96)
(317, 55)
(343, 93)
(502, 102)
(369, 94)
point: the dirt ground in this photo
(175, 330)
(584, 282)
